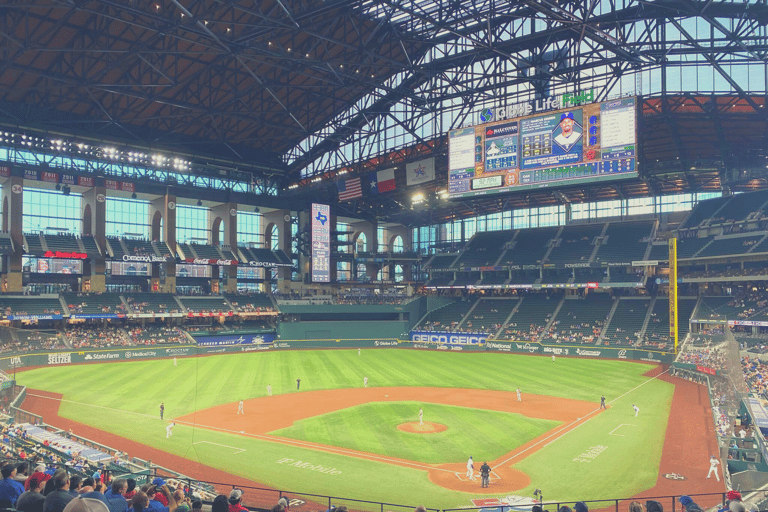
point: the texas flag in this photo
(382, 181)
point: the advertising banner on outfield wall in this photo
(228, 341)
(448, 338)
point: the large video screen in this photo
(584, 144)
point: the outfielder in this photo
(269, 390)
(174, 362)
(713, 462)
(240, 408)
(519, 399)
(169, 430)
(421, 416)
(365, 382)
(471, 469)
(636, 408)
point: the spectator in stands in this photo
(154, 505)
(197, 506)
(653, 506)
(635, 506)
(10, 489)
(75, 484)
(114, 497)
(158, 483)
(688, 504)
(131, 492)
(33, 499)
(81, 504)
(220, 504)
(22, 470)
(56, 500)
(235, 501)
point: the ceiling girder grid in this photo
(607, 45)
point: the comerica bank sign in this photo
(526, 108)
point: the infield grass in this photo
(373, 428)
(123, 398)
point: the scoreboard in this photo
(582, 144)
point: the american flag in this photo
(349, 189)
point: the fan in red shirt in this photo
(235, 499)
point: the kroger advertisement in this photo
(448, 338)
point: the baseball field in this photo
(335, 437)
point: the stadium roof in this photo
(303, 88)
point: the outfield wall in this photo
(233, 344)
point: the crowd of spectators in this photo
(147, 308)
(153, 335)
(96, 337)
(513, 332)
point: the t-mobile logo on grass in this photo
(307, 465)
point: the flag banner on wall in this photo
(420, 172)
(382, 181)
(349, 189)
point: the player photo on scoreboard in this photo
(567, 135)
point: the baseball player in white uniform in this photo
(421, 416)
(269, 390)
(636, 408)
(169, 430)
(713, 462)
(174, 362)
(519, 398)
(553, 358)
(240, 408)
(470, 468)
(358, 351)
(365, 382)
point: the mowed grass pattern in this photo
(373, 428)
(123, 398)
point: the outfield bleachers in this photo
(137, 246)
(34, 244)
(625, 242)
(576, 243)
(730, 245)
(30, 305)
(579, 321)
(741, 206)
(531, 317)
(703, 211)
(250, 302)
(530, 246)
(215, 304)
(627, 322)
(489, 315)
(688, 247)
(152, 303)
(447, 317)
(657, 330)
(440, 261)
(659, 252)
(94, 304)
(90, 246)
(484, 249)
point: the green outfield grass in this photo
(373, 428)
(123, 398)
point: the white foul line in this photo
(611, 433)
(237, 450)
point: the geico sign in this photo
(448, 338)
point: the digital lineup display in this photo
(582, 144)
(321, 243)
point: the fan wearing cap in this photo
(568, 134)
(235, 501)
(33, 499)
(159, 482)
(10, 488)
(81, 504)
(688, 504)
(151, 492)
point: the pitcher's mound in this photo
(422, 428)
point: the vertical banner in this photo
(321, 243)
(673, 291)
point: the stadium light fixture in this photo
(417, 197)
